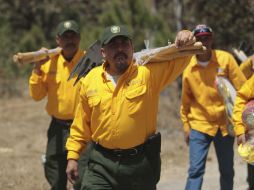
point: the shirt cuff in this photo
(35, 78)
(239, 130)
(72, 155)
(186, 127)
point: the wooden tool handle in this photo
(30, 57)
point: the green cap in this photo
(112, 31)
(68, 25)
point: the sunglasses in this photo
(202, 31)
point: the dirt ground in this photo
(23, 129)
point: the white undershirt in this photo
(203, 63)
(113, 79)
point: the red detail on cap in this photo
(204, 34)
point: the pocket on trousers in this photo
(152, 151)
(155, 162)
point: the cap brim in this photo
(73, 30)
(204, 34)
(113, 36)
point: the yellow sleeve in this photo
(37, 87)
(164, 73)
(243, 96)
(78, 93)
(185, 105)
(247, 68)
(80, 132)
(235, 74)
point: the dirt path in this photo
(23, 138)
(174, 170)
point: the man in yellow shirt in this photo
(203, 111)
(117, 112)
(243, 96)
(49, 79)
(247, 67)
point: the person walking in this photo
(242, 98)
(49, 79)
(203, 111)
(117, 114)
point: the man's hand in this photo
(72, 170)
(37, 65)
(184, 37)
(186, 137)
(241, 139)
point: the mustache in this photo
(120, 54)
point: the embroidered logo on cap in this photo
(67, 24)
(115, 29)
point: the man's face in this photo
(118, 53)
(206, 40)
(69, 41)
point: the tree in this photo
(139, 18)
(231, 20)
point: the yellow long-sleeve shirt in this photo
(122, 116)
(62, 97)
(202, 107)
(247, 67)
(245, 94)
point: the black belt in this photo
(62, 122)
(120, 152)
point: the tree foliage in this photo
(144, 24)
(28, 25)
(231, 20)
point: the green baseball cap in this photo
(112, 31)
(68, 25)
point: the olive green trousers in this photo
(250, 177)
(56, 154)
(106, 171)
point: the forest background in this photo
(28, 25)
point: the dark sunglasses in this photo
(202, 30)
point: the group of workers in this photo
(103, 132)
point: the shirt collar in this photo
(213, 59)
(74, 60)
(124, 75)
